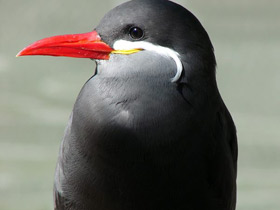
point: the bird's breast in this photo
(117, 102)
(131, 91)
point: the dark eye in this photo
(136, 33)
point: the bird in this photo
(149, 130)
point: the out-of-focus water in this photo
(37, 93)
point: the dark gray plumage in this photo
(137, 141)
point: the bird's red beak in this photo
(86, 45)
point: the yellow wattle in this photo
(126, 52)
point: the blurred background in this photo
(37, 93)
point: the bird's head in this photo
(156, 26)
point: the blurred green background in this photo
(37, 93)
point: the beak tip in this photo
(20, 53)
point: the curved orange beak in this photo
(86, 45)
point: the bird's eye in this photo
(136, 33)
